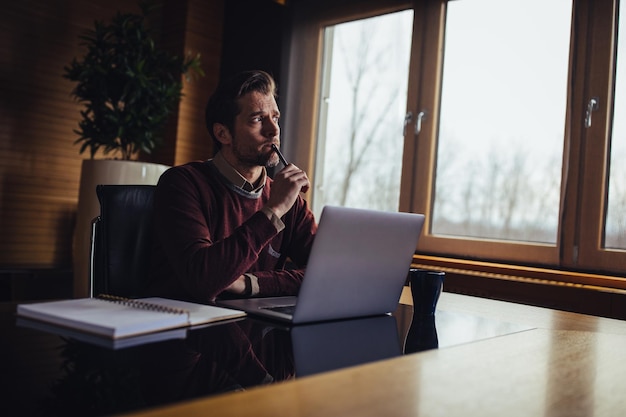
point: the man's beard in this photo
(252, 157)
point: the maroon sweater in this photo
(207, 233)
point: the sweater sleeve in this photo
(300, 229)
(203, 262)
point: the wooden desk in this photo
(567, 365)
(539, 317)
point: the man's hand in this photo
(238, 286)
(287, 185)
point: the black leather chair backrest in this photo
(121, 243)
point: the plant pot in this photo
(93, 173)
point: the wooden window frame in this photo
(577, 258)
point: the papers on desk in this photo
(117, 318)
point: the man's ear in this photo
(222, 133)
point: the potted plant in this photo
(128, 87)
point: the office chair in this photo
(121, 240)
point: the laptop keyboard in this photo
(282, 309)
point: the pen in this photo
(280, 155)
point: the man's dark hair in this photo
(223, 107)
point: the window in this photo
(502, 120)
(615, 232)
(364, 89)
(513, 140)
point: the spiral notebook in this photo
(116, 317)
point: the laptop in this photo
(357, 267)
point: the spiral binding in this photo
(138, 303)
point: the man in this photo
(222, 226)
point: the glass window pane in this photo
(615, 231)
(502, 119)
(364, 87)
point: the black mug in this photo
(426, 286)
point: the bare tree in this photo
(513, 190)
(362, 136)
(615, 229)
(495, 197)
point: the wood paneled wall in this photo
(194, 141)
(39, 164)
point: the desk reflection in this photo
(422, 334)
(235, 356)
(250, 353)
(211, 360)
(227, 357)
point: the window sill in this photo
(586, 293)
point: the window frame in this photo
(577, 256)
(595, 141)
(546, 255)
(304, 66)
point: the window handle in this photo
(418, 123)
(407, 119)
(591, 107)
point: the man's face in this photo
(255, 130)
